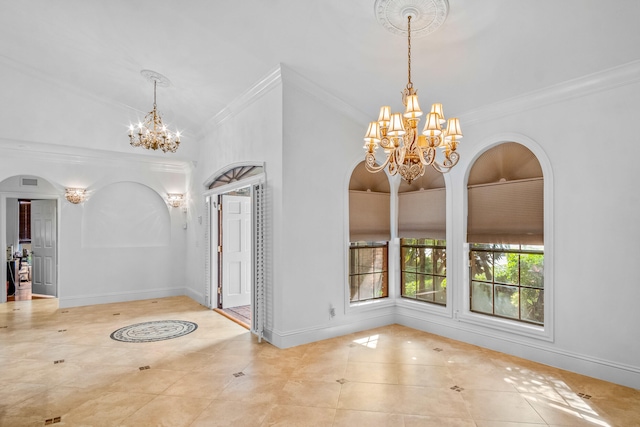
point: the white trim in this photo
(320, 94)
(248, 97)
(53, 153)
(111, 297)
(582, 86)
(464, 314)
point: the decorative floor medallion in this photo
(157, 330)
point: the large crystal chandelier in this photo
(151, 133)
(408, 152)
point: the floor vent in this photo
(52, 421)
(55, 362)
(584, 396)
(437, 349)
(238, 374)
(62, 330)
(144, 368)
(116, 314)
(456, 388)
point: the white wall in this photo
(591, 208)
(90, 273)
(248, 132)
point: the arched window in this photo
(369, 234)
(422, 230)
(505, 232)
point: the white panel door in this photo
(43, 247)
(236, 251)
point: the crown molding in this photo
(322, 95)
(45, 152)
(272, 80)
(248, 97)
(611, 78)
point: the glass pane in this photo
(440, 287)
(500, 267)
(532, 305)
(379, 262)
(409, 258)
(507, 301)
(425, 261)
(380, 285)
(365, 286)
(424, 287)
(364, 260)
(532, 270)
(353, 261)
(482, 266)
(440, 259)
(353, 284)
(409, 285)
(482, 297)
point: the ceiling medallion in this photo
(151, 133)
(407, 151)
(428, 15)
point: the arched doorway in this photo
(29, 207)
(235, 237)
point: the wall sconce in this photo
(175, 200)
(75, 195)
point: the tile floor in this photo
(220, 375)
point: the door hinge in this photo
(219, 207)
(220, 249)
(219, 290)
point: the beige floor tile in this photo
(368, 372)
(167, 411)
(199, 384)
(221, 413)
(485, 423)
(392, 375)
(296, 416)
(350, 418)
(425, 375)
(153, 381)
(425, 421)
(500, 406)
(107, 410)
(310, 393)
(255, 389)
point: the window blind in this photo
(506, 212)
(422, 214)
(369, 216)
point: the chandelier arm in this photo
(430, 155)
(370, 161)
(447, 164)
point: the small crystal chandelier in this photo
(152, 134)
(409, 153)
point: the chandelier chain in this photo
(409, 83)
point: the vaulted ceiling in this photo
(70, 69)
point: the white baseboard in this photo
(111, 297)
(537, 351)
(196, 296)
(304, 336)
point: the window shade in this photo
(369, 216)
(422, 214)
(508, 212)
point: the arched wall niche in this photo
(125, 215)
